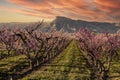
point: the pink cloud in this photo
(95, 10)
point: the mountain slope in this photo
(70, 25)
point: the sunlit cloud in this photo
(110, 7)
(91, 10)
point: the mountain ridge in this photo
(68, 24)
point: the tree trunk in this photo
(97, 75)
(105, 75)
(37, 62)
(8, 52)
(31, 64)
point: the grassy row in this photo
(12, 65)
(67, 66)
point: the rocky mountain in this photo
(71, 25)
(13, 25)
(68, 25)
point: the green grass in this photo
(115, 70)
(69, 65)
(11, 63)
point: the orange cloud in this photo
(95, 10)
(109, 3)
(110, 7)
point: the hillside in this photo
(71, 25)
(67, 24)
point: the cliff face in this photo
(70, 25)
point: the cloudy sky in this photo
(35, 10)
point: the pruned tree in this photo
(98, 51)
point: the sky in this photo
(36, 10)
